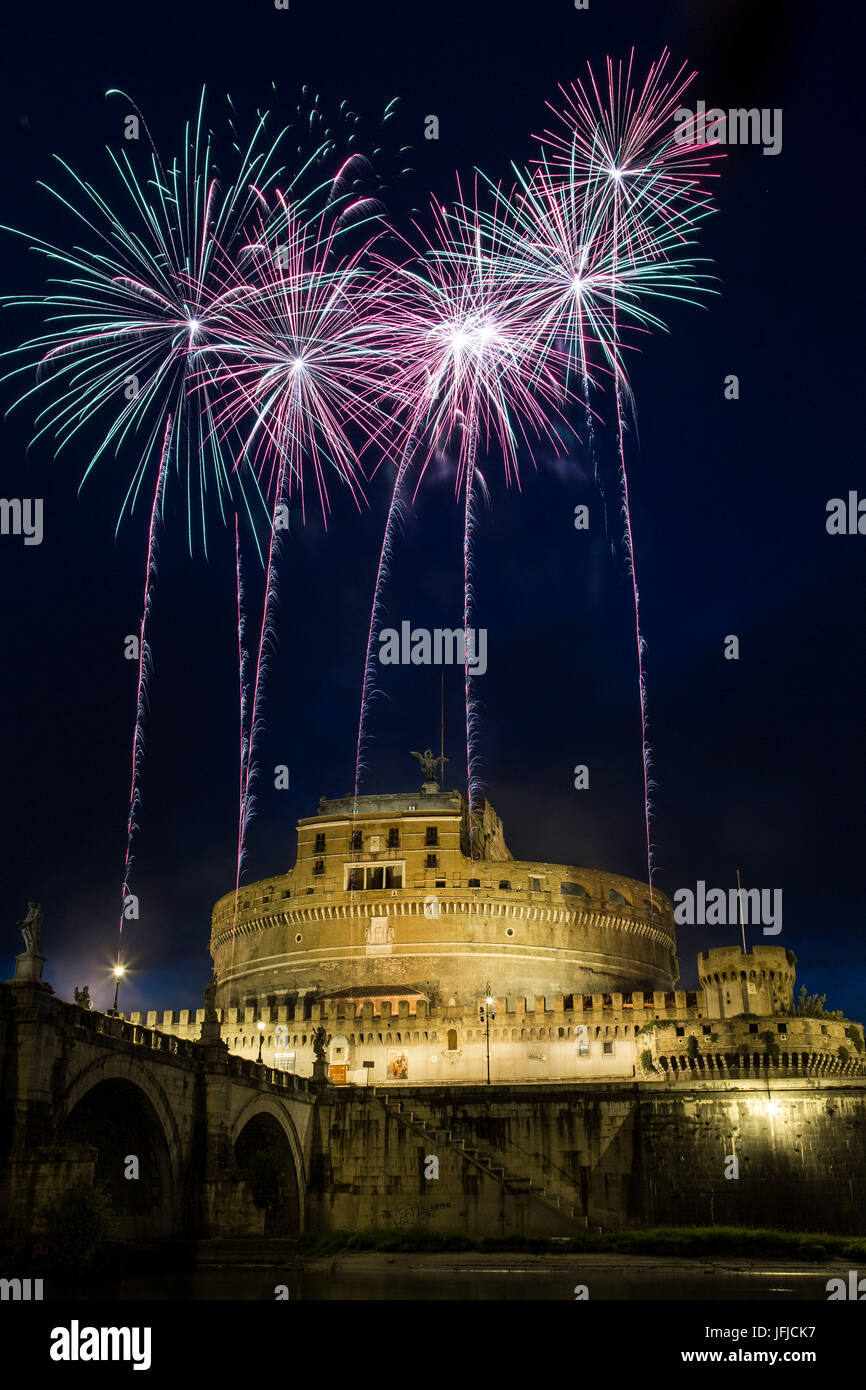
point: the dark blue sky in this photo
(759, 763)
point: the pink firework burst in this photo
(622, 142)
(467, 382)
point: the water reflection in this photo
(391, 1281)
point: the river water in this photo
(384, 1278)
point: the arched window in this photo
(452, 1039)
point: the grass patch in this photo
(695, 1241)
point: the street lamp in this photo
(486, 1012)
(119, 972)
(261, 1039)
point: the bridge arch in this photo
(266, 1122)
(118, 1107)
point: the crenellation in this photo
(593, 1039)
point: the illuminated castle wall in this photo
(391, 931)
(397, 896)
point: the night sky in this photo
(759, 762)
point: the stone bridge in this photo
(84, 1093)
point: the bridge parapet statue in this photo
(30, 963)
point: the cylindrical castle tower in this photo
(396, 898)
(760, 981)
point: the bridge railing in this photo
(91, 1021)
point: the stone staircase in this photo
(553, 1197)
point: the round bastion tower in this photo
(400, 896)
(761, 982)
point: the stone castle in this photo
(431, 1033)
(430, 955)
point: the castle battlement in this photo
(651, 1035)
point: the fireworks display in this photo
(254, 343)
(641, 194)
(465, 381)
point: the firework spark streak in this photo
(145, 667)
(300, 371)
(300, 382)
(619, 144)
(266, 644)
(368, 683)
(244, 731)
(464, 378)
(471, 703)
(133, 309)
(295, 360)
(641, 195)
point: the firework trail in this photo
(564, 246)
(645, 185)
(471, 704)
(145, 668)
(463, 377)
(244, 730)
(300, 381)
(393, 516)
(127, 321)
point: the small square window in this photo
(783, 1027)
(680, 1032)
(440, 883)
(753, 1027)
(319, 866)
(432, 861)
(474, 883)
(505, 884)
(706, 1030)
(607, 1049)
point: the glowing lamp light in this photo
(119, 971)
